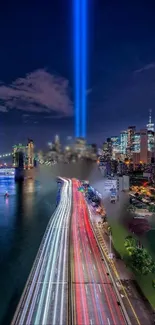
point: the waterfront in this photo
(23, 220)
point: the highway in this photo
(45, 298)
(93, 296)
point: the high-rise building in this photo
(57, 140)
(131, 132)
(80, 146)
(150, 125)
(107, 149)
(151, 145)
(123, 142)
(136, 143)
(151, 137)
(115, 141)
(143, 146)
(57, 144)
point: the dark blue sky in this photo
(37, 40)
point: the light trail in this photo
(63, 257)
(40, 267)
(95, 299)
(45, 287)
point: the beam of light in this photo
(83, 64)
(76, 40)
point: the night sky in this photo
(36, 69)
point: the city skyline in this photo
(37, 88)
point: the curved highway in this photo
(94, 298)
(45, 298)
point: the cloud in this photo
(26, 115)
(146, 67)
(54, 116)
(3, 109)
(38, 92)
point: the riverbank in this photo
(119, 233)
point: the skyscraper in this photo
(143, 146)
(123, 142)
(131, 131)
(115, 141)
(57, 144)
(151, 137)
(150, 125)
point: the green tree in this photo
(130, 245)
(130, 242)
(141, 261)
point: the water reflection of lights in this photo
(7, 201)
(30, 186)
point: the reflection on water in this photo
(23, 220)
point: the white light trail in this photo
(35, 306)
(38, 271)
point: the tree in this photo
(141, 261)
(130, 242)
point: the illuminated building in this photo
(151, 144)
(131, 132)
(50, 145)
(30, 154)
(57, 144)
(123, 142)
(150, 141)
(107, 149)
(150, 125)
(57, 140)
(136, 143)
(115, 143)
(80, 146)
(143, 146)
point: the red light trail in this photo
(95, 302)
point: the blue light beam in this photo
(77, 69)
(84, 66)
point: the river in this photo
(23, 220)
